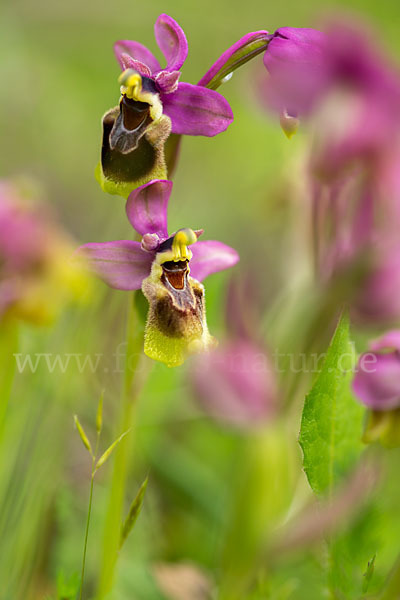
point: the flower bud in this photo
(377, 385)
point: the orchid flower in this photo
(168, 271)
(153, 103)
(193, 109)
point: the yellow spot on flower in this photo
(131, 84)
(179, 250)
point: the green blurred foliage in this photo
(58, 76)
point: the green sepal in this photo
(249, 50)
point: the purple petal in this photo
(389, 341)
(172, 41)
(377, 381)
(138, 52)
(122, 264)
(296, 61)
(209, 257)
(300, 45)
(127, 62)
(196, 110)
(167, 81)
(147, 207)
(235, 384)
(231, 58)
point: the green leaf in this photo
(83, 435)
(331, 425)
(134, 512)
(368, 574)
(109, 450)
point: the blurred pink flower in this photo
(295, 60)
(339, 78)
(377, 381)
(236, 382)
(36, 276)
(377, 298)
(353, 170)
(360, 109)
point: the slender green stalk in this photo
(86, 535)
(89, 514)
(134, 344)
(8, 347)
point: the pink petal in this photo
(172, 41)
(167, 81)
(121, 264)
(377, 382)
(147, 207)
(138, 52)
(127, 62)
(195, 110)
(389, 341)
(209, 257)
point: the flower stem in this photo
(8, 347)
(86, 536)
(88, 515)
(134, 343)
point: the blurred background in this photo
(59, 76)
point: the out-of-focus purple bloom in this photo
(344, 218)
(376, 299)
(166, 269)
(377, 385)
(353, 174)
(357, 245)
(36, 275)
(342, 75)
(236, 383)
(295, 61)
(360, 109)
(193, 109)
(377, 380)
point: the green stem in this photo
(88, 515)
(86, 535)
(134, 339)
(8, 347)
(239, 58)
